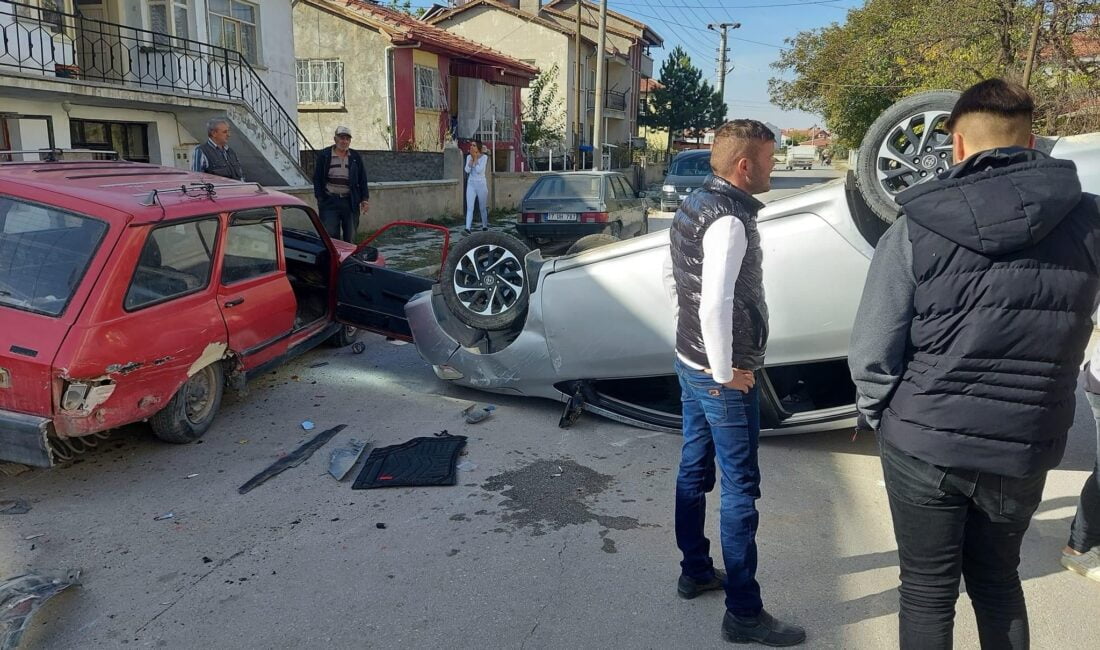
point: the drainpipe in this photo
(391, 96)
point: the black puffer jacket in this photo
(718, 198)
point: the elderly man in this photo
(340, 185)
(214, 156)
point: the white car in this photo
(596, 329)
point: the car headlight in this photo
(668, 188)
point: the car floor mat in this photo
(418, 462)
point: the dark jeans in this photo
(1084, 534)
(338, 214)
(723, 425)
(951, 522)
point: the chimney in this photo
(532, 7)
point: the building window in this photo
(130, 140)
(233, 26)
(321, 81)
(429, 90)
(169, 18)
(48, 13)
(499, 111)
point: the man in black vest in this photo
(716, 281)
(214, 156)
(965, 353)
(340, 186)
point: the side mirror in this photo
(641, 195)
(368, 254)
(664, 172)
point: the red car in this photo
(134, 292)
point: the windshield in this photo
(44, 253)
(690, 166)
(568, 187)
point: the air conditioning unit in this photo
(181, 156)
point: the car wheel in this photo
(191, 410)
(616, 230)
(907, 145)
(644, 228)
(344, 337)
(484, 281)
(588, 242)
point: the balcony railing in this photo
(613, 100)
(42, 41)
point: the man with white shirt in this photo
(721, 336)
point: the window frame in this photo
(439, 102)
(214, 254)
(308, 65)
(245, 218)
(211, 15)
(173, 28)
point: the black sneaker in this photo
(466, 231)
(689, 588)
(763, 629)
(485, 229)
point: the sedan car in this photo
(596, 330)
(566, 207)
(133, 292)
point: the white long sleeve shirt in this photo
(724, 246)
(476, 170)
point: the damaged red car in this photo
(133, 292)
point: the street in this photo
(552, 537)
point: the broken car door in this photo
(254, 294)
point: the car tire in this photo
(891, 160)
(588, 242)
(192, 409)
(644, 228)
(344, 337)
(469, 293)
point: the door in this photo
(98, 50)
(633, 210)
(254, 294)
(371, 296)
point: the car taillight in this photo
(531, 217)
(593, 217)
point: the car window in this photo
(44, 253)
(250, 247)
(626, 191)
(556, 187)
(298, 220)
(175, 261)
(690, 166)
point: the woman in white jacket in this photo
(477, 187)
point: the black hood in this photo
(998, 201)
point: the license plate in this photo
(561, 216)
(683, 196)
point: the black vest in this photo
(718, 198)
(1006, 267)
(221, 162)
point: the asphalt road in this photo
(552, 538)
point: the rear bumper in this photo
(559, 231)
(23, 439)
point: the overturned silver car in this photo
(596, 329)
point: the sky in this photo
(752, 48)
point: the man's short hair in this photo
(214, 122)
(734, 139)
(999, 98)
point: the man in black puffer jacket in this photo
(965, 352)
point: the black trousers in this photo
(340, 217)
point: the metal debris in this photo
(21, 596)
(344, 458)
(14, 507)
(293, 459)
(167, 515)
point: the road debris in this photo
(467, 466)
(478, 412)
(308, 425)
(14, 507)
(191, 476)
(13, 469)
(418, 462)
(319, 365)
(380, 526)
(293, 459)
(30, 537)
(167, 515)
(358, 347)
(21, 596)
(344, 458)
(559, 472)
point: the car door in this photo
(614, 204)
(633, 207)
(254, 294)
(371, 296)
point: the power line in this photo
(751, 6)
(704, 30)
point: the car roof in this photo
(691, 153)
(127, 189)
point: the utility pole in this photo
(581, 105)
(722, 28)
(1034, 45)
(601, 64)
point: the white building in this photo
(142, 77)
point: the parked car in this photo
(685, 174)
(596, 330)
(566, 207)
(133, 292)
(801, 156)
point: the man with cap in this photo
(340, 185)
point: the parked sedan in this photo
(596, 330)
(566, 207)
(133, 292)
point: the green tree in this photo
(542, 119)
(684, 103)
(888, 49)
(406, 6)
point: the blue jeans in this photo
(720, 425)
